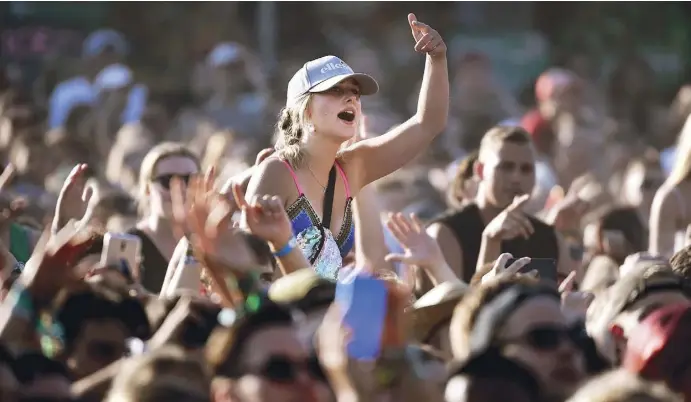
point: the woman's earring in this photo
(310, 128)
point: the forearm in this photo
(289, 261)
(489, 252)
(433, 102)
(441, 273)
(370, 246)
(17, 319)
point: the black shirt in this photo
(153, 266)
(467, 225)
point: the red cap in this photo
(552, 81)
(659, 346)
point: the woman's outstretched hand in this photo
(427, 40)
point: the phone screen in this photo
(545, 267)
(364, 303)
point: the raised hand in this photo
(265, 217)
(427, 40)
(511, 222)
(500, 270)
(574, 304)
(53, 264)
(74, 199)
(9, 208)
(204, 216)
(420, 249)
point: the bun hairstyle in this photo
(290, 131)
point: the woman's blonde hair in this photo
(467, 310)
(290, 130)
(156, 154)
(682, 163)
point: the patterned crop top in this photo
(307, 228)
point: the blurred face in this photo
(278, 369)
(506, 172)
(166, 169)
(230, 78)
(537, 335)
(99, 344)
(335, 113)
(475, 75)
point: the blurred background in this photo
(104, 81)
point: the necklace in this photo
(315, 179)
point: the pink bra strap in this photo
(295, 177)
(345, 179)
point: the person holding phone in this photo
(495, 222)
(163, 162)
(317, 173)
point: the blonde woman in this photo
(318, 173)
(670, 213)
(164, 162)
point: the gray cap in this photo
(324, 73)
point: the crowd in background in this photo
(590, 173)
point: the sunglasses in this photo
(165, 180)
(281, 369)
(548, 338)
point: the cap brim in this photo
(368, 86)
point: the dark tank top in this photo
(154, 265)
(467, 225)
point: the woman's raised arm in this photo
(379, 156)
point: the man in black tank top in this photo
(495, 222)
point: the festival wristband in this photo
(285, 250)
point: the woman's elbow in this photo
(435, 124)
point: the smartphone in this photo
(545, 267)
(363, 301)
(121, 251)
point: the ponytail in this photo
(289, 132)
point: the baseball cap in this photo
(324, 73)
(552, 81)
(223, 54)
(98, 41)
(115, 76)
(657, 348)
(435, 307)
(303, 289)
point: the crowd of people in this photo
(317, 247)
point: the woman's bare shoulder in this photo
(272, 177)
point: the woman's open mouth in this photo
(347, 116)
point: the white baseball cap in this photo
(325, 73)
(224, 53)
(99, 40)
(113, 77)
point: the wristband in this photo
(285, 250)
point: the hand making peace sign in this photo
(427, 40)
